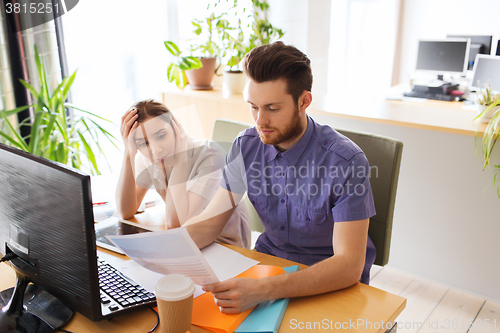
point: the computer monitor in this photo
(46, 220)
(478, 45)
(486, 70)
(446, 56)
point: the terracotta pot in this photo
(235, 81)
(201, 78)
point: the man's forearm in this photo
(328, 275)
(205, 228)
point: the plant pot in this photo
(487, 117)
(201, 78)
(235, 81)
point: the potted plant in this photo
(261, 32)
(212, 33)
(176, 71)
(69, 139)
(491, 105)
(485, 98)
(234, 79)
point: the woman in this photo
(185, 172)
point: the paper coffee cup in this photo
(174, 296)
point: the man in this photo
(308, 183)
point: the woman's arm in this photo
(128, 195)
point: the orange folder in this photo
(207, 314)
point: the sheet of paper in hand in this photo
(167, 252)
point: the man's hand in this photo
(237, 295)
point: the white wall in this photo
(434, 19)
(446, 223)
(447, 219)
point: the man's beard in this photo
(291, 130)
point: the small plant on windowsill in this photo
(490, 102)
(205, 50)
(236, 49)
(176, 70)
(261, 32)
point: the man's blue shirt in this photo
(299, 194)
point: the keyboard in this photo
(119, 292)
(439, 97)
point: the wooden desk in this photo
(345, 307)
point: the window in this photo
(117, 48)
(362, 46)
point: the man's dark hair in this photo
(276, 61)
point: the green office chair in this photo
(384, 154)
(225, 131)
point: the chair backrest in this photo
(384, 156)
(225, 131)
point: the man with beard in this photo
(308, 183)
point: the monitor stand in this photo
(30, 309)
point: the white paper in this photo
(103, 212)
(225, 262)
(167, 252)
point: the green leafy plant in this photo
(236, 49)
(212, 34)
(217, 37)
(263, 32)
(486, 96)
(176, 70)
(235, 43)
(491, 133)
(69, 139)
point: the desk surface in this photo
(357, 303)
(449, 117)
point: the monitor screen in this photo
(478, 45)
(486, 70)
(443, 56)
(46, 219)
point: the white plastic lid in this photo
(174, 287)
